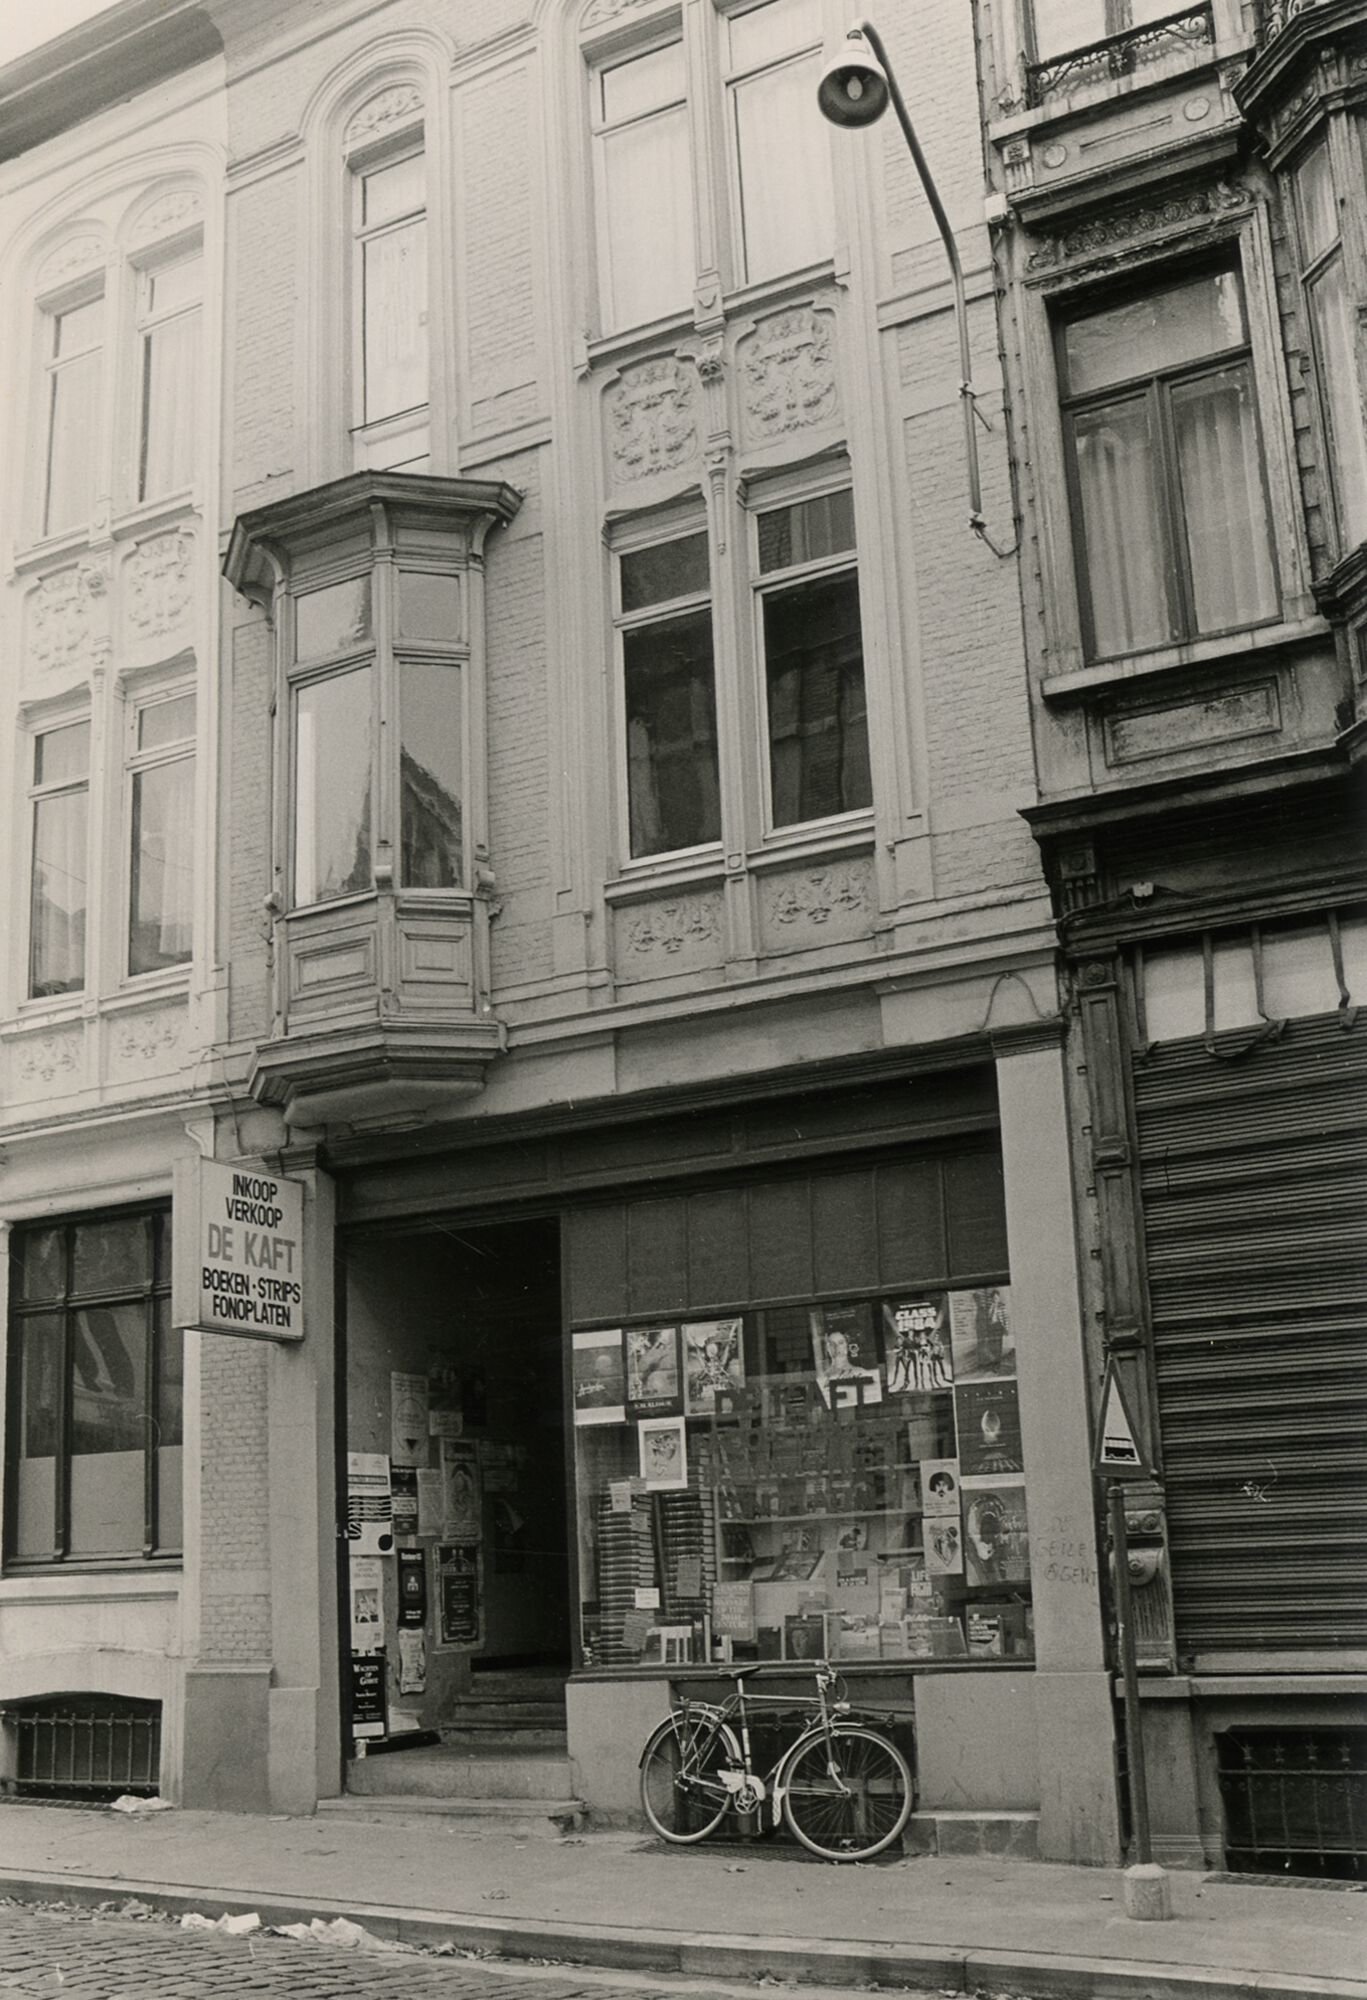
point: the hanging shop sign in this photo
(250, 1265)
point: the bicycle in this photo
(844, 1789)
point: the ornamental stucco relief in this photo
(143, 1038)
(652, 418)
(66, 616)
(677, 934)
(69, 259)
(788, 370)
(48, 1057)
(157, 583)
(401, 104)
(178, 208)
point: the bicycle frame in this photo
(742, 1780)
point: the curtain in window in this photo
(783, 148)
(70, 460)
(1121, 529)
(162, 916)
(1224, 515)
(396, 321)
(170, 418)
(648, 197)
(57, 924)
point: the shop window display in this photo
(843, 1481)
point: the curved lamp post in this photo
(855, 89)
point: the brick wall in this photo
(248, 830)
(265, 256)
(235, 1614)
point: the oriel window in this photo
(1333, 321)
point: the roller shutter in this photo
(1254, 1180)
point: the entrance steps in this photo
(508, 1711)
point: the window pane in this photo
(331, 620)
(1162, 330)
(1224, 516)
(39, 1263)
(395, 309)
(1073, 24)
(163, 722)
(392, 191)
(60, 755)
(110, 1256)
(108, 1429)
(35, 1429)
(648, 219)
(429, 606)
(70, 460)
(1298, 971)
(669, 569)
(671, 714)
(430, 776)
(818, 727)
(162, 915)
(332, 830)
(766, 33)
(1316, 203)
(57, 919)
(787, 212)
(174, 286)
(647, 83)
(806, 532)
(1174, 992)
(78, 330)
(1121, 529)
(170, 416)
(170, 1394)
(1333, 316)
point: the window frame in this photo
(731, 79)
(51, 310)
(654, 36)
(370, 438)
(1155, 390)
(155, 1220)
(137, 702)
(764, 499)
(1311, 268)
(146, 269)
(643, 536)
(31, 731)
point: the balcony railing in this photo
(1272, 16)
(1124, 54)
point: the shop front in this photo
(737, 1383)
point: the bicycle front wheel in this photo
(682, 1794)
(847, 1796)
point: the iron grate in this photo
(83, 1746)
(1295, 1801)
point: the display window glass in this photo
(841, 1480)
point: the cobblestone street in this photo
(85, 1956)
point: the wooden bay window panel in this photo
(332, 787)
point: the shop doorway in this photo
(466, 1320)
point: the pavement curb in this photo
(812, 1961)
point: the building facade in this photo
(1178, 201)
(690, 1112)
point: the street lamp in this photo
(854, 89)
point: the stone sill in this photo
(1224, 649)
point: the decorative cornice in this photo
(1100, 235)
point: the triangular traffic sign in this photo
(1117, 1441)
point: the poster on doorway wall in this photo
(369, 1504)
(367, 1604)
(460, 1608)
(462, 1500)
(368, 1694)
(407, 1419)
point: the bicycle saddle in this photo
(749, 1669)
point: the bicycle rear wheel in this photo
(848, 1797)
(681, 1793)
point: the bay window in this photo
(780, 144)
(1333, 319)
(813, 661)
(59, 865)
(95, 1391)
(73, 338)
(390, 283)
(643, 173)
(669, 693)
(1165, 467)
(1060, 25)
(161, 796)
(169, 296)
(332, 791)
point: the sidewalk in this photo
(956, 1925)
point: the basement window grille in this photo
(1295, 1801)
(83, 1746)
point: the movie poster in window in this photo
(940, 1487)
(598, 1376)
(663, 1454)
(652, 1365)
(996, 1538)
(988, 1418)
(916, 1349)
(980, 1333)
(714, 1366)
(944, 1547)
(842, 1341)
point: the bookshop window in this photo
(841, 1481)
